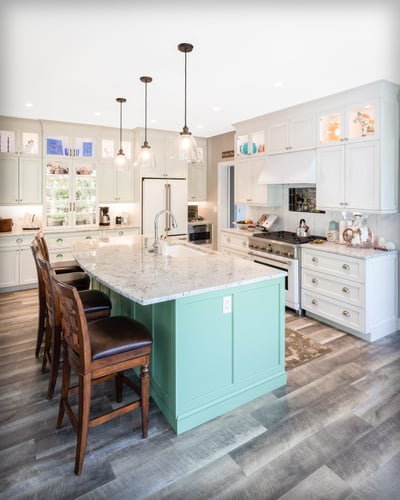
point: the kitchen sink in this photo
(184, 251)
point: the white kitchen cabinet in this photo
(291, 134)
(17, 266)
(20, 162)
(247, 189)
(354, 177)
(250, 140)
(353, 291)
(65, 140)
(114, 185)
(234, 242)
(60, 244)
(197, 182)
(164, 145)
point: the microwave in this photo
(200, 234)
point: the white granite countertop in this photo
(125, 266)
(359, 253)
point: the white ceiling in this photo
(71, 58)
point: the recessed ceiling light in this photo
(29, 105)
(216, 108)
(278, 84)
(153, 120)
(97, 113)
(200, 126)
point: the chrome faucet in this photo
(173, 223)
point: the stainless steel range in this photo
(281, 250)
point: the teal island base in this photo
(213, 351)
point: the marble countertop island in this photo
(127, 267)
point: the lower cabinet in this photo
(233, 242)
(17, 267)
(355, 294)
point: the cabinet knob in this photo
(19, 240)
(315, 259)
(59, 240)
(59, 256)
(244, 243)
(88, 237)
(314, 302)
(228, 240)
(315, 281)
(346, 267)
(120, 233)
(346, 314)
(345, 289)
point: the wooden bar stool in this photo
(96, 305)
(79, 279)
(97, 352)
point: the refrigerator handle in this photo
(168, 206)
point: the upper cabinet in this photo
(197, 174)
(20, 162)
(165, 148)
(358, 152)
(61, 141)
(115, 184)
(295, 133)
(250, 140)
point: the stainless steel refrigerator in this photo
(164, 194)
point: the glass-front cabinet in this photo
(250, 144)
(357, 122)
(20, 162)
(70, 194)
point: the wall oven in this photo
(200, 234)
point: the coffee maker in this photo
(104, 216)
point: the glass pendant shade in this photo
(120, 159)
(187, 147)
(187, 144)
(146, 157)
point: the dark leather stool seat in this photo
(68, 266)
(99, 351)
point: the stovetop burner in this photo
(284, 237)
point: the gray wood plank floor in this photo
(333, 432)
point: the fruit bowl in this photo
(243, 225)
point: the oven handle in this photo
(285, 262)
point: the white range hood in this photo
(290, 168)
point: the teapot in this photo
(301, 231)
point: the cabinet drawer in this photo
(335, 265)
(58, 241)
(15, 241)
(345, 290)
(235, 241)
(339, 312)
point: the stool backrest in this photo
(45, 272)
(35, 250)
(41, 241)
(74, 326)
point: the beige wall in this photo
(215, 146)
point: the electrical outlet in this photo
(227, 304)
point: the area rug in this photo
(301, 349)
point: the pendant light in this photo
(146, 157)
(120, 159)
(187, 144)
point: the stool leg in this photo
(55, 360)
(118, 386)
(66, 379)
(145, 395)
(47, 347)
(41, 325)
(85, 387)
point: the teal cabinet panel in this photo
(213, 352)
(203, 349)
(258, 332)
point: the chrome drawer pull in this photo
(59, 240)
(346, 267)
(59, 256)
(345, 289)
(315, 281)
(346, 314)
(314, 259)
(88, 237)
(314, 302)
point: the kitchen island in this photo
(217, 321)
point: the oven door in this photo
(200, 234)
(291, 266)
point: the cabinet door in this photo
(302, 133)
(27, 268)
(174, 167)
(9, 267)
(9, 181)
(197, 183)
(362, 184)
(124, 184)
(331, 177)
(278, 138)
(106, 182)
(30, 180)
